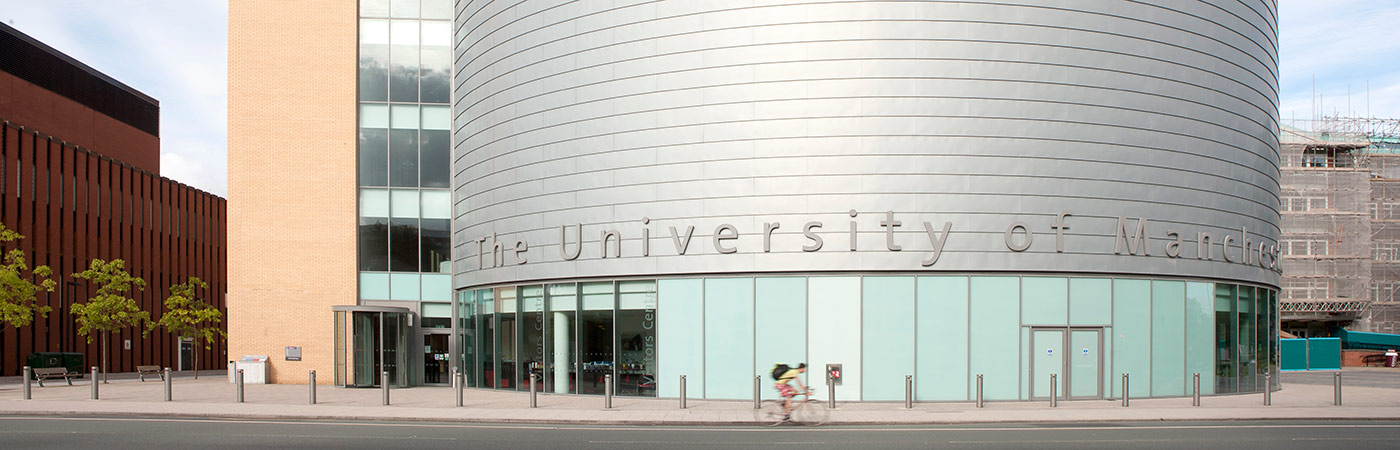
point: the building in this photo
(646, 191)
(81, 180)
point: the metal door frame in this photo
(1065, 373)
(423, 335)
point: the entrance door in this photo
(186, 355)
(1085, 363)
(436, 360)
(1048, 346)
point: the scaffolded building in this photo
(1340, 207)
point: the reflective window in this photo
(435, 315)
(467, 335)
(1246, 352)
(506, 337)
(636, 332)
(374, 60)
(595, 336)
(531, 326)
(1226, 337)
(486, 310)
(436, 64)
(403, 61)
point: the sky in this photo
(176, 51)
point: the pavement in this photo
(1368, 393)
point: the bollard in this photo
(533, 402)
(979, 390)
(682, 391)
(1267, 392)
(238, 385)
(1125, 390)
(28, 372)
(1196, 389)
(311, 388)
(1054, 391)
(607, 391)
(1337, 389)
(454, 377)
(384, 385)
(461, 382)
(94, 382)
(168, 396)
(830, 393)
(757, 385)
(908, 392)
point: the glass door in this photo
(435, 358)
(1048, 346)
(1085, 362)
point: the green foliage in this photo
(110, 309)
(17, 287)
(188, 316)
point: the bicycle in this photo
(807, 411)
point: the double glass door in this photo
(1074, 356)
(436, 358)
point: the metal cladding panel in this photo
(992, 117)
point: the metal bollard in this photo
(533, 403)
(238, 386)
(979, 390)
(384, 385)
(94, 382)
(28, 372)
(682, 391)
(1337, 389)
(830, 393)
(1125, 390)
(168, 396)
(1196, 389)
(908, 392)
(1054, 391)
(607, 391)
(461, 383)
(454, 377)
(757, 385)
(311, 388)
(1268, 393)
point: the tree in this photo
(17, 287)
(110, 310)
(188, 316)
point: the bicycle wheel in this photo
(770, 413)
(811, 413)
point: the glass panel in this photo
(374, 286)
(1048, 357)
(833, 304)
(365, 349)
(1273, 336)
(403, 286)
(1169, 339)
(636, 333)
(374, 244)
(436, 240)
(1247, 361)
(374, 60)
(374, 115)
(1132, 338)
(1085, 376)
(403, 60)
(341, 338)
(404, 8)
(563, 312)
(404, 204)
(403, 158)
(437, 158)
(729, 326)
(486, 309)
(467, 325)
(436, 204)
(1225, 375)
(374, 157)
(1261, 337)
(404, 117)
(437, 288)
(435, 358)
(374, 8)
(403, 245)
(1200, 335)
(887, 336)
(996, 343)
(681, 337)
(779, 306)
(437, 9)
(596, 336)
(396, 348)
(437, 62)
(942, 336)
(506, 338)
(1045, 301)
(435, 315)
(1090, 301)
(374, 203)
(531, 336)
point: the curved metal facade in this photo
(994, 120)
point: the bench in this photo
(1373, 360)
(53, 372)
(142, 371)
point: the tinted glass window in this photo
(403, 158)
(403, 245)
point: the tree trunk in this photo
(196, 358)
(106, 339)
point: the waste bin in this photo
(254, 369)
(1390, 357)
(67, 360)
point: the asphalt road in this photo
(114, 433)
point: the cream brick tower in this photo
(291, 162)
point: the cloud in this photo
(1343, 44)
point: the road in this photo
(110, 433)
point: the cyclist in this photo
(787, 391)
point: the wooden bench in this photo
(1373, 360)
(142, 371)
(53, 372)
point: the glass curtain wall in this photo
(466, 335)
(506, 343)
(404, 150)
(560, 329)
(1226, 339)
(531, 325)
(636, 338)
(595, 336)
